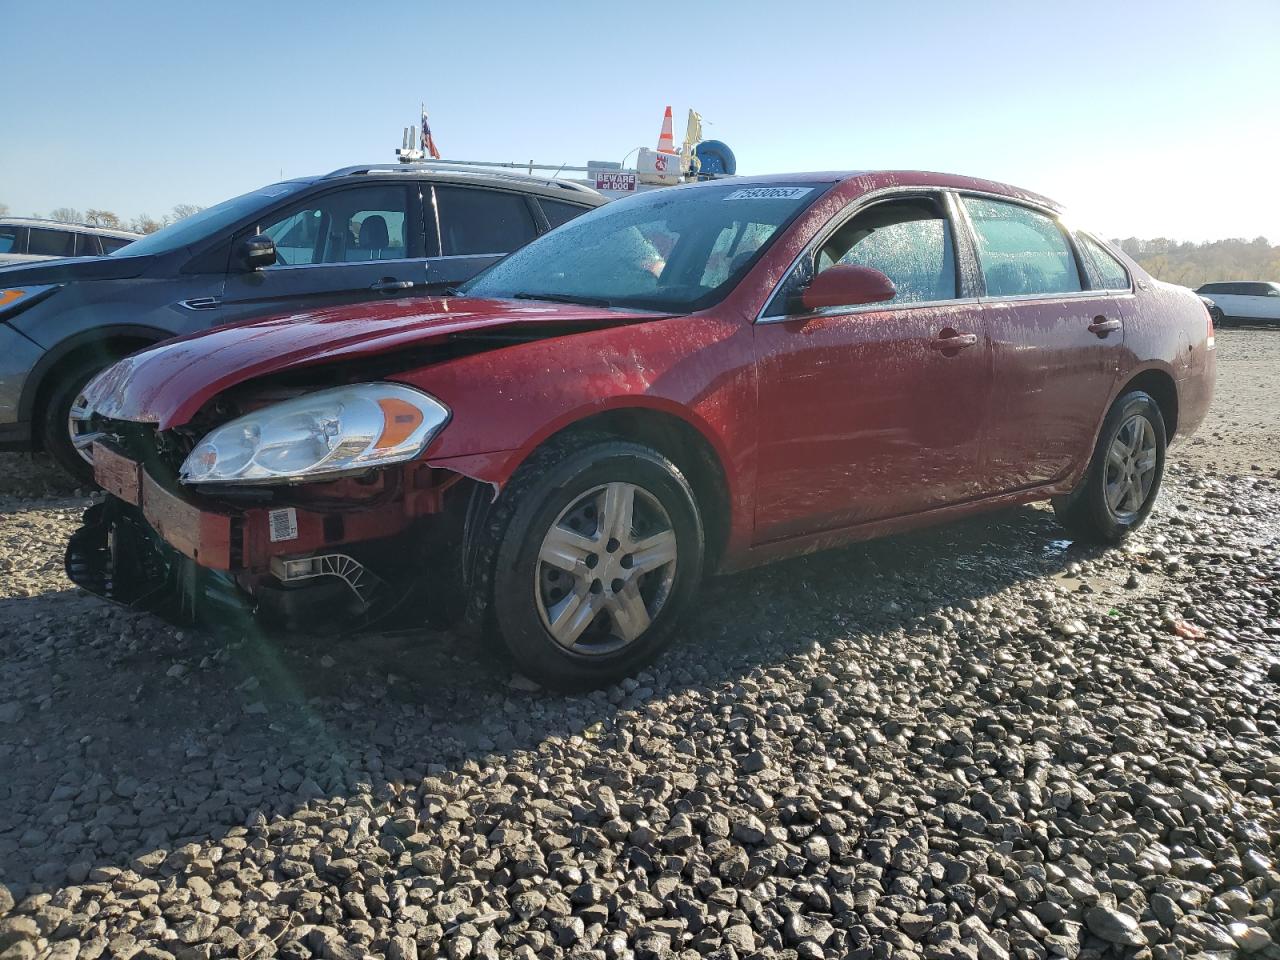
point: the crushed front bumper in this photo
(152, 549)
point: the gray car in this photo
(359, 233)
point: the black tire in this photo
(555, 478)
(1086, 513)
(54, 434)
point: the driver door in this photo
(342, 246)
(874, 411)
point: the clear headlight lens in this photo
(319, 435)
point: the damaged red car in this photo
(689, 381)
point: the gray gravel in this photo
(976, 742)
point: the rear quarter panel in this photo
(1169, 331)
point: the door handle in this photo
(953, 341)
(1102, 326)
(391, 283)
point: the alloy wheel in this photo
(605, 569)
(80, 429)
(1131, 468)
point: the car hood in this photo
(72, 270)
(167, 384)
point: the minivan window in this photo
(1105, 271)
(482, 221)
(1022, 252)
(87, 245)
(50, 243)
(112, 244)
(11, 240)
(343, 226)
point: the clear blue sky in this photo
(1151, 117)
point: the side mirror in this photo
(847, 285)
(257, 252)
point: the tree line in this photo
(1192, 264)
(143, 223)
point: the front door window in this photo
(345, 226)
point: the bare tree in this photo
(4, 209)
(102, 218)
(66, 215)
(183, 210)
(145, 224)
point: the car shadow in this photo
(131, 736)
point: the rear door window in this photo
(476, 221)
(13, 239)
(51, 243)
(1021, 251)
(112, 244)
(1105, 271)
(88, 245)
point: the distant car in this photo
(24, 239)
(696, 379)
(1254, 301)
(360, 233)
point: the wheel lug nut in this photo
(591, 561)
(616, 586)
(627, 561)
(612, 545)
(597, 586)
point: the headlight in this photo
(13, 299)
(318, 436)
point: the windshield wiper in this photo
(563, 298)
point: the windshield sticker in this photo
(769, 193)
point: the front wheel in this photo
(1124, 474)
(602, 550)
(66, 433)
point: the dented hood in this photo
(167, 384)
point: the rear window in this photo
(51, 243)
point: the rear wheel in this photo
(602, 550)
(66, 433)
(1124, 474)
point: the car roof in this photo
(548, 187)
(879, 179)
(73, 227)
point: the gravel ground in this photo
(976, 742)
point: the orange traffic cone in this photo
(666, 140)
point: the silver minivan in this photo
(24, 239)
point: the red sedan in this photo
(688, 381)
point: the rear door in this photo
(344, 245)
(473, 228)
(1262, 301)
(1056, 343)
